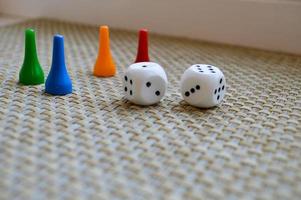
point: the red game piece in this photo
(142, 53)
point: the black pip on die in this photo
(144, 83)
(203, 85)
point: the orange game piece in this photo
(104, 65)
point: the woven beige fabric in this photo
(93, 144)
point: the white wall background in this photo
(266, 24)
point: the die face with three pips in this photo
(144, 83)
(203, 85)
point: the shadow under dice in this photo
(145, 83)
(203, 85)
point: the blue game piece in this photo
(58, 81)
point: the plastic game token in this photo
(31, 72)
(142, 52)
(58, 81)
(104, 65)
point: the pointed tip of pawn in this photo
(104, 28)
(31, 72)
(58, 37)
(29, 32)
(58, 81)
(104, 65)
(142, 52)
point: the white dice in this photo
(203, 85)
(144, 83)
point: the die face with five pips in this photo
(203, 85)
(144, 83)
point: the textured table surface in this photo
(93, 144)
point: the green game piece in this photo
(31, 72)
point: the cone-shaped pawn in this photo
(58, 81)
(142, 53)
(31, 72)
(104, 65)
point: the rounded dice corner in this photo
(210, 81)
(149, 83)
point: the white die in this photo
(203, 85)
(144, 83)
